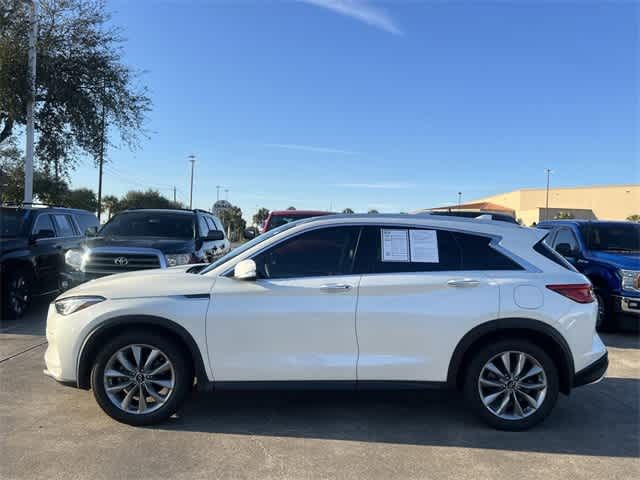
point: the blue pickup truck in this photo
(608, 253)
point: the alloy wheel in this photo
(512, 385)
(139, 378)
(19, 294)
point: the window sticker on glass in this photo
(424, 246)
(395, 245)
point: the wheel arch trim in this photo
(90, 343)
(470, 339)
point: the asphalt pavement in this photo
(48, 431)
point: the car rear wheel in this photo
(512, 384)
(141, 378)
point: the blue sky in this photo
(394, 106)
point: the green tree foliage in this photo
(83, 198)
(634, 218)
(79, 74)
(149, 199)
(373, 210)
(291, 208)
(46, 188)
(232, 220)
(347, 211)
(110, 204)
(260, 216)
(563, 216)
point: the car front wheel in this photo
(16, 292)
(512, 384)
(141, 378)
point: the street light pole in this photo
(459, 198)
(192, 159)
(218, 187)
(28, 165)
(546, 209)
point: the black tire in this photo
(605, 321)
(16, 291)
(182, 371)
(472, 390)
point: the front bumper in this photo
(627, 305)
(592, 373)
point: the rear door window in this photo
(456, 252)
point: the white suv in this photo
(364, 301)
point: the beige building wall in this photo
(607, 202)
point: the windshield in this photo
(246, 246)
(615, 237)
(12, 222)
(151, 224)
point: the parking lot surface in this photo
(51, 431)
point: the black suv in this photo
(140, 239)
(33, 242)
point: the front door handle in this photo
(335, 287)
(464, 283)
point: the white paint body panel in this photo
(409, 323)
(283, 329)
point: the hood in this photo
(629, 261)
(10, 244)
(160, 282)
(165, 245)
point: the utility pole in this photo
(101, 159)
(546, 210)
(218, 187)
(192, 159)
(459, 198)
(28, 165)
(174, 194)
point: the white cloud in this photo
(381, 185)
(310, 148)
(361, 10)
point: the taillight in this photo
(581, 293)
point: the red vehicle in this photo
(279, 217)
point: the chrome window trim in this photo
(494, 243)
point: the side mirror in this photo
(249, 233)
(44, 233)
(565, 250)
(91, 231)
(245, 270)
(214, 236)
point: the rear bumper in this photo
(592, 373)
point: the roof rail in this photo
(32, 204)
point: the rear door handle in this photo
(464, 283)
(335, 287)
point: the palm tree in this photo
(110, 203)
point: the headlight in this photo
(74, 258)
(630, 280)
(178, 259)
(69, 305)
